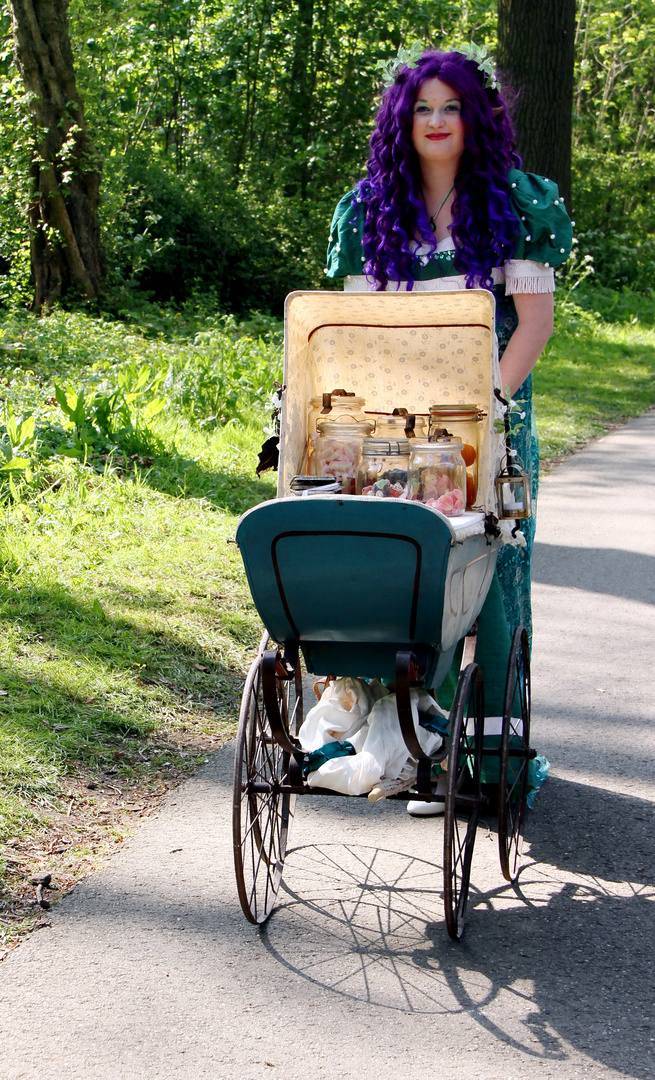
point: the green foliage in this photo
(17, 442)
(614, 141)
(86, 389)
(15, 156)
(228, 130)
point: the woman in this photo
(446, 207)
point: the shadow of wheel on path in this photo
(560, 964)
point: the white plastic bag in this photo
(383, 752)
(341, 712)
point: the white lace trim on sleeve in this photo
(527, 276)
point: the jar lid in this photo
(442, 442)
(301, 483)
(455, 412)
(385, 447)
(337, 399)
(389, 425)
(345, 425)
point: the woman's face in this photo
(438, 129)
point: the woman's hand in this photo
(535, 312)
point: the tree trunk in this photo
(536, 41)
(301, 98)
(63, 212)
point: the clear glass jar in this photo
(388, 426)
(331, 406)
(338, 450)
(437, 474)
(382, 471)
(462, 421)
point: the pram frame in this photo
(269, 758)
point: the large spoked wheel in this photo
(514, 756)
(463, 795)
(262, 814)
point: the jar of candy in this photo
(437, 474)
(393, 426)
(382, 471)
(338, 449)
(462, 421)
(332, 406)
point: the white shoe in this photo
(424, 809)
(418, 808)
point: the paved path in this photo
(150, 971)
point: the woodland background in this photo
(227, 131)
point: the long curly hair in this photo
(484, 228)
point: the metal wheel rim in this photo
(464, 763)
(513, 783)
(261, 822)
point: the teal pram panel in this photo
(353, 581)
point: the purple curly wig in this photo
(484, 227)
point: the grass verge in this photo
(597, 371)
(126, 628)
(126, 622)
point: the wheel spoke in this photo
(464, 772)
(261, 819)
(514, 770)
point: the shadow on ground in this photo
(563, 960)
(610, 571)
(125, 681)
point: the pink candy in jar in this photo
(332, 406)
(451, 504)
(338, 450)
(437, 475)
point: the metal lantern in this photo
(513, 487)
(514, 495)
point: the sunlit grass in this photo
(593, 375)
(116, 606)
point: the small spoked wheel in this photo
(515, 756)
(262, 814)
(463, 795)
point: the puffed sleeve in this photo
(545, 227)
(345, 254)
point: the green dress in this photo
(544, 242)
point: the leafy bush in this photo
(176, 237)
(90, 389)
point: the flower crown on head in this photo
(409, 58)
(480, 56)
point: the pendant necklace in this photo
(433, 217)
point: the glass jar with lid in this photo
(400, 426)
(332, 406)
(338, 449)
(437, 474)
(462, 421)
(382, 471)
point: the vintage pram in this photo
(381, 588)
